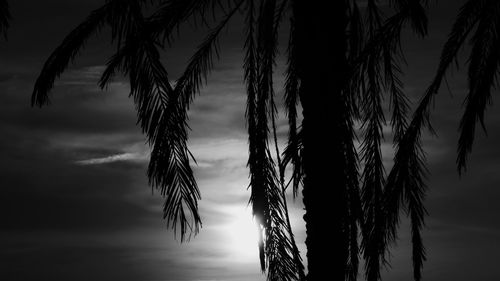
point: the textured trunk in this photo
(322, 63)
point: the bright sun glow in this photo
(242, 234)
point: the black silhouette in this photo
(354, 83)
(407, 176)
(341, 60)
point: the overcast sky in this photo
(75, 204)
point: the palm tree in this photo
(341, 60)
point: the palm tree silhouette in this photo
(341, 60)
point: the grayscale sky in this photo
(75, 203)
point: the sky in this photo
(75, 203)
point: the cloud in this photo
(83, 76)
(114, 158)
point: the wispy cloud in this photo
(135, 157)
(81, 76)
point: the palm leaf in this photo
(483, 70)
(373, 175)
(201, 62)
(277, 249)
(115, 12)
(168, 17)
(158, 112)
(406, 182)
(66, 52)
(292, 87)
(169, 169)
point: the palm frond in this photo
(184, 189)
(373, 176)
(119, 14)
(4, 17)
(169, 169)
(405, 186)
(356, 39)
(162, 119)
(279, 14)
(373, 179)
(66, 52)
(379, 63)
(293, 150)
(201, 62)
(399, 102)
(122, 22)
(159, 115)
(172, 13)
(405, 189)
(290, 249)
(291, 154)
(251, 67)
(467, 18)
(483, 71)
(277, 248)
(355, 213)
(414, 11)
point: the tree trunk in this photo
(322, 64)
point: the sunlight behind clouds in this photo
(242, 235)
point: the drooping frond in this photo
(389, 34)
(123, 18)
(266, 182)
(163, 119)
(354, 207)
(171, 13)
(405, 189)
(293, 150)
(169, 168)
(278, 253)
(119, 14)
(467, 18)
(379, 65)
(290, 249)
(66, 52)
(406, 186)
(356, 39)
(292, 87)
(251, 67)
(385, 44)
(158, 112)
(175, 138)
(373, 176)
(414, 12)
(201, 62)
(356, 36)
(279, 14)
(4, 17)
(398, 102)
(483, 71)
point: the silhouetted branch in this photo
(201, 62)
(292, 88)
(483, 71)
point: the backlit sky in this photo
(75, 204)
